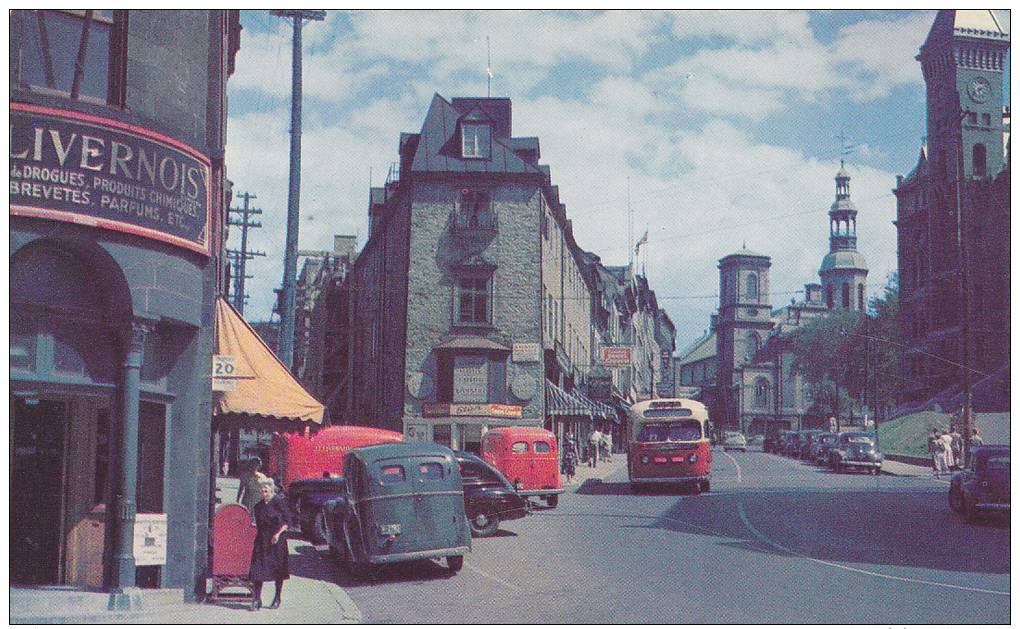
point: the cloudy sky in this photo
(725, 125)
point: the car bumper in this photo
(541, 492)
(420, 554)
(871, 464)
(1001, 507)
(671, 479)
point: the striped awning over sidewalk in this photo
(573, 404)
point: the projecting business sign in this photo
(616, 356)
(103, 173)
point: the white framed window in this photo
(476, 140)
(473, 300)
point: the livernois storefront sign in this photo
(93, 171)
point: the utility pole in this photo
(964, 294)
(294, 192)
(241, 256)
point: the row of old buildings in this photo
(952, 226)
(471, 305)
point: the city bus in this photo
(669, 444)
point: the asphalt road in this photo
(776, 541)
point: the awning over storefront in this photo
(264, 386)
(472, 342)
(564, 403)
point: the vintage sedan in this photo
(733, 440)
(401, 502)
(856, 451)
(820, 447)
(489, 497)
(983, 486)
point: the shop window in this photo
(473, 300)
(477, 140)
(76, 53)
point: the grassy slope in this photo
(909, 434)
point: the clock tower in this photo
(962, 60)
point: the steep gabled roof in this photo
(703, 348)
(976, 23)
(439, 148)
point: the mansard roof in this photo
(439, 148)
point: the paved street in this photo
(776, 541)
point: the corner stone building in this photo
(966, 155)
(117, 197)
(470, 292)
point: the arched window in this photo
(752, 286)
(860, 297)
(979, 160)
(761, 392)
(828, 296)
(846, 296)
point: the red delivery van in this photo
(293, 457)
(528, 457)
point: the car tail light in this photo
(677, 459)
(660, 459)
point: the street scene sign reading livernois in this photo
(88, 170)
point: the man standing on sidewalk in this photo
(607, 446)
(594, 441)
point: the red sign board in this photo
(616, 356)
(468, 410)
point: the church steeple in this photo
(842, 215)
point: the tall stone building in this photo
(468, 306)
(118, 200)
(962, 171)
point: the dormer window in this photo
(476, 140)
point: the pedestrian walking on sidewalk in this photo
(269, 554)
(936, 449)
(947, 450)
(956, 445)
(607, 446)
(594, 441)
(570, 456)
(975, 441)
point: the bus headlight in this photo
(644, 459)
(693, 458)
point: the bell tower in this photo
(844, 271)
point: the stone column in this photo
(121, 596)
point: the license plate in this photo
(389, 529)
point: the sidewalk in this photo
(604, 469)
(310, 596)
(896, 468)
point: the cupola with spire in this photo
(844, 270)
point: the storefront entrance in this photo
(38, 434)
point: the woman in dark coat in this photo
(269, 555)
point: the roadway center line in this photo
(489, 576)
(759, 535)
(735, 463)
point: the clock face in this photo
(979, 90)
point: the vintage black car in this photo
(306, 497)
(489, 498)
(821, 445)
(807, 439)
(983, 486)
(856, 450)
(401, 502)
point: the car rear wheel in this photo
(484, 524)
(454, 563)
(552, 500)
(356, 569)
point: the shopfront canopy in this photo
(264, 387)
(573, 404)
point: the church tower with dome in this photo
(844, 271)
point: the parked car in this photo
(489, 497)
(734, 441)
(529, 457)
(791, 447)
(821, 446)
(774, 441)
(757, 440)
(856, 450)
(807, 439)
(983, 486)
(401, 502)
(307, 498)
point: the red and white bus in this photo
(669, 444)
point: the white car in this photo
(734, 441)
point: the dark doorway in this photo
(151, 466)
(37, 477)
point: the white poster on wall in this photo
(470, 379)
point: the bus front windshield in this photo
(689, 430)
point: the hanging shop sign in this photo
(93, 171)
(526, 353)
(616, 356)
